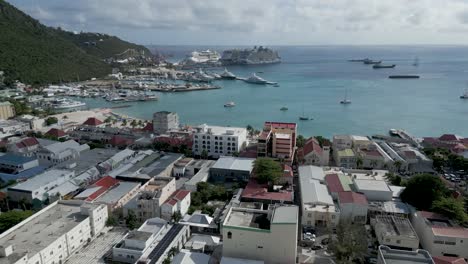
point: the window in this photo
(229, 235)
(333, 216)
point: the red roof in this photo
(174, 141)
(54, 132)
(27, 142)
(287, 171)
(92, 121)
(450, 231)
(311, 145)
(171, 202)
(432, 215)
(281, 125)
(257, 191)
(148, 127)
(352, 197)
(105, 183)
(448, 260)
(334, 183)
(120, 141)
(178, 195)
(448, 137)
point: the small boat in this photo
(416, 62)
(303, 117)
(230, 104)
(256, 79)
(403, 76)
(227, 75)
(345, 101)
(393, 132)
(382, 66)
(464, 95)
(367, 61)
(284, 108)
(359, 60)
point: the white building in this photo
(374, 190)
(60, 152)
(317, 204)
(53, 234)
(165, 121)
(218, 141)
(439, 235)
(270, 236)
(395, 232)
(12, 127)
(313, 154)
(393, 256)
(178, 202)
(41, 186)
(353, 207)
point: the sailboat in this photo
(416, 62)
(464, 95)
(345, 100)
(303, 117)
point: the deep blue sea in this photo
(313, 79)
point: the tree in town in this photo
(397, 165)
(65, 117)
(108, 120)
(395, 179)
(131, 220)
(111, 221)
(373, 163)
(176, 216)
(322, 141)
(167, 260)
(350, 245)
(422, 190)
(134, 123)
(11, 218)
(173, 251)
(451, 208)
(204, 154)
(359, 162)
(124, 122)
(300, 141)
(267, 170)
(51, 120)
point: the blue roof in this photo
(15, 159)
(24, 174)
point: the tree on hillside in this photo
(300, 141)
(11, 218)
(422, 190)
(267, 170)
(451, 208)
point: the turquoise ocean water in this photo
(313, 79)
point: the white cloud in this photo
(299, 21)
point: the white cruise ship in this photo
(207, 57)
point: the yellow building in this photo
(6, 110)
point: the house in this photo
(439, 235)
(345, 158)
(97, 189)
(395, 232)
(12, 127)
(56, 133)
(278, 140)
(25, 146)
(229, 169)
(16, 167)
(337, 183)
(257, 192)
(60, 152)
(288, 175)
(179, 202)
(165, 121)
(313, 154)
(269, 236)
(353, 207)
(312, 172)
(187, 257)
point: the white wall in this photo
(356, 213)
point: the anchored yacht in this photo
(227, 75)
(256, 79)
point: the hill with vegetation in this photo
(36, 54)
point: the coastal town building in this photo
(448, 260)
(353, 207)
(93, 122)
(15, 164)
(374, 190)
(23, 146)
(12, 127)
(231, 169)
(313, 154)
(53, 234)
(337, 183)
(269, 236)
(388, 255)
(216, 141)
(56, 133)
(395, 232)
(345, 158)
(165, 121)
(119, 195)
(59, 152)
(439, 235)
(277, 140)
(312, 172)
(261, 193)
(178, 202)
(6, 110)
(197, 171)
(318, 208)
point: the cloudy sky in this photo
(270, 22)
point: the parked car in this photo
(316, 247)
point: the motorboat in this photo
(345, 99)
(63, 103)
(256, 79)
(383, 66)
(464, 95)
(230, 104)
(227, 75)
(284, 108)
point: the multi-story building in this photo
(60, 152)
(14, 164)
(278, 140)
(41, 186)
(439, 235)
(313, 154)
(165, 121)
(227, 169)
(218, 141)
(53, 234)
(269, 236)
(12, 127)
(178, 202)
(147, 203)
(389, 256)
(345, 158)
(396, 232)
(353, 207)
(374, 190)
(6, 110)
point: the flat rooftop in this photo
(371, 185)
(396, 226)
(248, 218)
(234, 163)
(88, 158)
(161, 164)
(40, 180)
(40, 230)
(395, 256)
(285, 215)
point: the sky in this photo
(261, 22)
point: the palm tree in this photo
(359, 162)
(397, 165)
(133, 123)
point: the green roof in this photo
(345, 182)
(346, 153)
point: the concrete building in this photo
(439, 235)
(41, 186)
(60, 152)
(165, 121)
(218, 141)
(345, 158)
(269, 236)
(232, 169)
(178, 202)
(278, 140)
(12, 127)
(374, 190)
(395, 232)
(260, 193)
(119, 195)
(6, 110)
(147, 203)
(387, 255)
(14, 164)
(353, 207)
(201, 169)
(313, 154)
(337, 183)
(318, 208)
(180, 167)
(187, 257)
(312, 172)
(53, 234)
